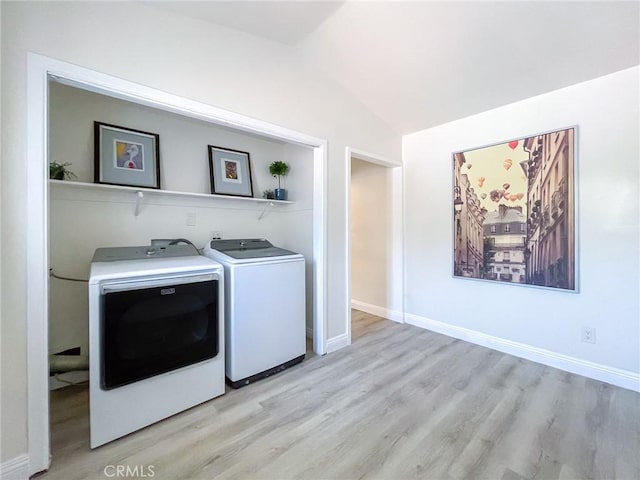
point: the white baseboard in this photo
(614, 376)
(383, 312)
(336, 343)
(15, 469)
(341, 341)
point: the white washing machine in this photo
(156, 336)
(265, 307)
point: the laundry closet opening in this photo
(80, 215)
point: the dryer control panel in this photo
(114, 254)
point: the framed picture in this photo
(230, 172)
(514, 210)
(124, 156)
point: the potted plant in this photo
(279, 169)
(59, 171)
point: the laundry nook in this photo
(176, 307)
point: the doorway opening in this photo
(374, 237)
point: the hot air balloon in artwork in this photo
(469, 166)
(507, 164)
(520, 196)
(481, 181)
(506, 186)
(513, 145)
(483, 196)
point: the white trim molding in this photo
(320, 242)
(37, 248)
(338, 342)
(15, 469)
(383, 312)
(614, 376)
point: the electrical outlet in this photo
(216, 235)
(588, 334)
(191, 219)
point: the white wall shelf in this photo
(141, 192)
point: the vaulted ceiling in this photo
(420, 64)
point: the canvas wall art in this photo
(514, 211)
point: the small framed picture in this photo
(124, 156)
(230, 172)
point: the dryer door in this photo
(147, 329)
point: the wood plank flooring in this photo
(399, 403)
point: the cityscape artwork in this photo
(514, 211)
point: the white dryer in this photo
(156, 336)
(265, 307)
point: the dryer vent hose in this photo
(174, 241)
(67, 363)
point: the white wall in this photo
(81, 221)
(606, 111)
(371, 234)
(186, 57)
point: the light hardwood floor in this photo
(399, 403)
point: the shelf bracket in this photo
(139, 197)
(264, 210)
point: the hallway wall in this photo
(371, 233)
